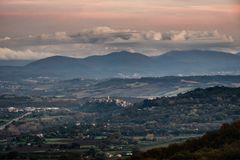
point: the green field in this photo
(58, 140)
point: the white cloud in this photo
(8, 54)
(179, 36)
(206, 36)
(5, 39)
(58, 36)
(152, 35)
(100, 30)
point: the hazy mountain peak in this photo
(122, 57)
(125, 53)
(53, 61)
(197, 55)
(195, 52)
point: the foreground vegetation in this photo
(223, 144)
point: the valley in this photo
(110, 127)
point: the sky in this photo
(34, 29)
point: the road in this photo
(14, 120)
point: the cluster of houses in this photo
(118, 102)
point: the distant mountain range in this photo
(127, 65)
(14, 62)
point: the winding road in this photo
(14, 120)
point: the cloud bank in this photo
(107, 34)
(8, 54)
(102, 40)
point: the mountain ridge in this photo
(127, 64)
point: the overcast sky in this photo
(33, 29)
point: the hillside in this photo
(223, 144)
